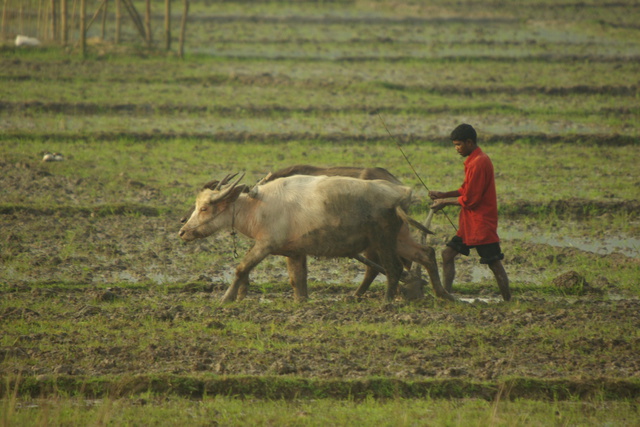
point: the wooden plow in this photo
(413, 281)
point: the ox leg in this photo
(449, 267)
(393, 267)
(369, 274)
(386, 242)
(425, 256)
(241, 282)
(297, 267)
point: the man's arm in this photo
(444, 198)
(443, 194)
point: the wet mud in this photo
(146, 318)
(129, 272)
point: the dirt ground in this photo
(126, 269)
(155, 340)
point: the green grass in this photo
(159, 410)
(177, 167)
(107, 318)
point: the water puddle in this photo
(629, 246)
(474, 300)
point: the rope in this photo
(412, 168)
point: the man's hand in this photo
(436, 195)
(438, 204)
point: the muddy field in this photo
(99, 297)
(109, 292)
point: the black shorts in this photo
(488, 253)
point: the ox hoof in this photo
(448, 297)
(228, 298)
(414, 289)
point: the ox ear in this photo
(230, 196)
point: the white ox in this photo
(305, 215)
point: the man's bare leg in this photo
(501, 278)
(448, 267)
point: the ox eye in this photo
(203, 209)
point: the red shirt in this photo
(478, 222)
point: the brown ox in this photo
(408, 249)
(305, 215)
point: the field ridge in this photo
(577, 208)
(614, 140)
(88, 108)
(286, 387)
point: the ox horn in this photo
(227, 190)
(225, 180)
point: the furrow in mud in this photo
(575, 208)
(267, 80)
(427, 58)
(277, 388)
(83, 211)
(614, 140)
(84, 108)
(507, 58)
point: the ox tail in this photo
(406, 218)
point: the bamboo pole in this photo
(118, 21)
(45, 20)
(83, 27)
(135, 17)
(95, 14)
(104, 20)
(167, 24)
(183, 28)
(64, 35)
(147, 22)
(54, 21)
(74, 13)
(4, 18)
(39, 25)
(21, 20)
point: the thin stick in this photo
(74, 8)
(83, 27)
(147, 23)
(95, 15)
(135, 17)
(118, 21)
(183, 29)
(167, 24)
(54, 21)
(104, 20)
(64, 24)
(4, 18)
(412, 168)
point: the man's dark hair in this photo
(464, 132)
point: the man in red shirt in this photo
(478, 222)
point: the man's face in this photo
(464, 148)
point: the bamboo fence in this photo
(69, 22)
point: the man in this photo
(478, 222)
